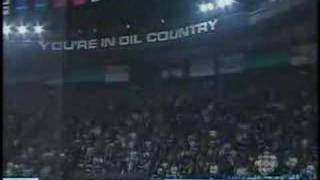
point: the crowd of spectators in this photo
(254, 123)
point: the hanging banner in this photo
(116, 74)
(172, 72)
(6, 7)
(21, 7)
(128, 40)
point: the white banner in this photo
(134, 39)
(172, 72)
(6, 7)
(116, 74)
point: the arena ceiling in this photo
(110, 13)
(117, 14)
(103, 14)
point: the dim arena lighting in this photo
(22, 29)
(225, 3)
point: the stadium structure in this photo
(150, 89)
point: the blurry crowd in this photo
(255, 123)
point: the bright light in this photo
(22, 29)
(203, 7)
(206, 7)
(6, 30)
(210, 6)
(225, 3)
(38, 29)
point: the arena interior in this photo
(160, 89)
